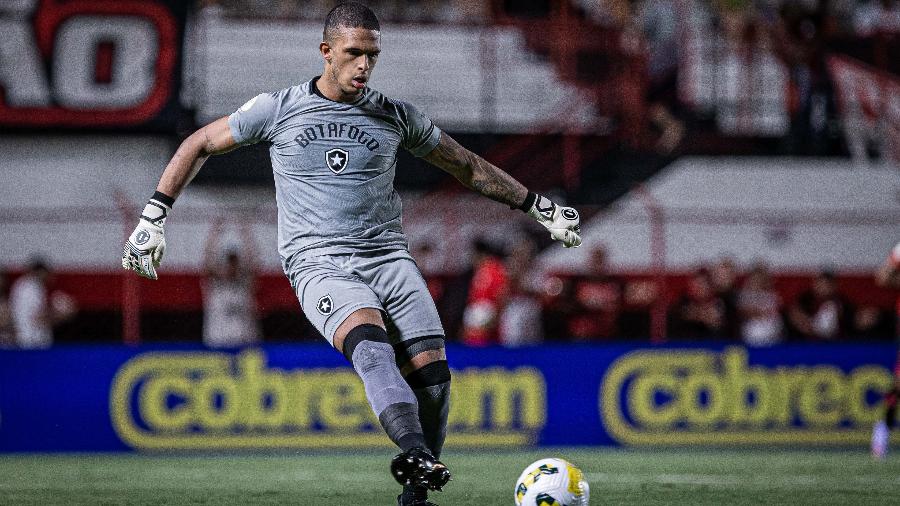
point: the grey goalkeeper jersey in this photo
(334, 166)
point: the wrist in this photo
(542, 208)
(530, 199)
(157, 209)
(164, 199)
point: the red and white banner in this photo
(90, 63)
(869, 101)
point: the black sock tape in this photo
(432, 374)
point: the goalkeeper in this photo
(334, 144)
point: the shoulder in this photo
(387, 105)
(296, 92)
(277, 99)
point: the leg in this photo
(423, 363)
(345, 309)
(404, 295)
(362, 339)
(417, 333)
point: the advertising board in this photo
(306, 397)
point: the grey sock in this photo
(390, 396)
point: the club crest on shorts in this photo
(336, 159)
(325, 306)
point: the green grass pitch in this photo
(346, 479)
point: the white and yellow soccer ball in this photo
(552, 482)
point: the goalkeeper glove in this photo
(562, 222)
(145, 247)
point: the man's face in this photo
(350, 56)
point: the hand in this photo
(562, 222)
(145, 247)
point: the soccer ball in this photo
(552, 482)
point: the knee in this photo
(431, 374)
(366, 347)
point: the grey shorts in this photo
(330, 287)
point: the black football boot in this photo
(417, 467)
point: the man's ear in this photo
(325, 49)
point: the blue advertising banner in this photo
(305, 396)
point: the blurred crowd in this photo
(30, 308)
(716, 302)
(500, 301)
(416, 11)
(697, 51)
(804, 19)
(673, 67)
(863, 17)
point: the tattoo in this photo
(476, 173)
(210, 146)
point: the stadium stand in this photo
(583, 100)
(731, 319)
(518, 93)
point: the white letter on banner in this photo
(133, 72)
(21, 73)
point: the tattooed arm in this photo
(476, 173)
(213, 139)
(480, 175)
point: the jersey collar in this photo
(315, 90)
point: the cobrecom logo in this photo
(85, 62)
(681, 397)
(206, 400)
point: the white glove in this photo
(562, 222)
(145, 247)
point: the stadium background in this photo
(705, 144)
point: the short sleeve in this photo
(420, 135)
(254, 121)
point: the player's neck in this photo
(332, 91)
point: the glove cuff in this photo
(543, 208)
(164, 199)
(529, 201)
(157, 209)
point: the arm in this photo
(213, 139)
(485, 178)
(145, 247)
(476, 173)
